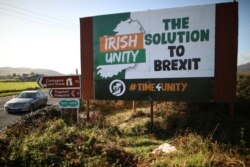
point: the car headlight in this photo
(6, 105)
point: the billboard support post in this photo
(133, 105)
(87, 110)
(152, 114)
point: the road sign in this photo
(71, 81)
(65, 93)
(69, 103)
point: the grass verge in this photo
(123, 138)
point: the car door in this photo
(38, 100)
(43, 99)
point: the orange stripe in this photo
(121, 42)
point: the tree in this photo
(32, 74)
(25, 75)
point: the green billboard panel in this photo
(165, 54)
(181, 89)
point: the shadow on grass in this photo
(208, 120)
(144, 144)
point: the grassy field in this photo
(11, 88)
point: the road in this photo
(7, 119)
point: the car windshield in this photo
(26, 95)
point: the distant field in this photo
(10, 88)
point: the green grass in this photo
(140, 146)
(8, 80)
(204, 135)
(11, 88)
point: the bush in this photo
(243, 87)
(49, 141)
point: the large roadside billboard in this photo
(166, 54)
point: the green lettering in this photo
(185, 22)
(166, 21)
(205, 35)
(176, 23)
(156, 38)
(181, 34)
(195, 36)
(171, 39)
(163, 40)
(148, 39)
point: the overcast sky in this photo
(46, 33)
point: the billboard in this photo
(166, 54)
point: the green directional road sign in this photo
(69, 103)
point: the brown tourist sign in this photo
(71, 81)
(65, 93)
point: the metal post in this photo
(77, 110)
(133, 105)
(77, 115)
(87, 111)
(62, 112)
(152, 114)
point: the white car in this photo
(26, 101)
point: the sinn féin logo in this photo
(117, 87)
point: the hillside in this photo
(5, 71)
(244, 67)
